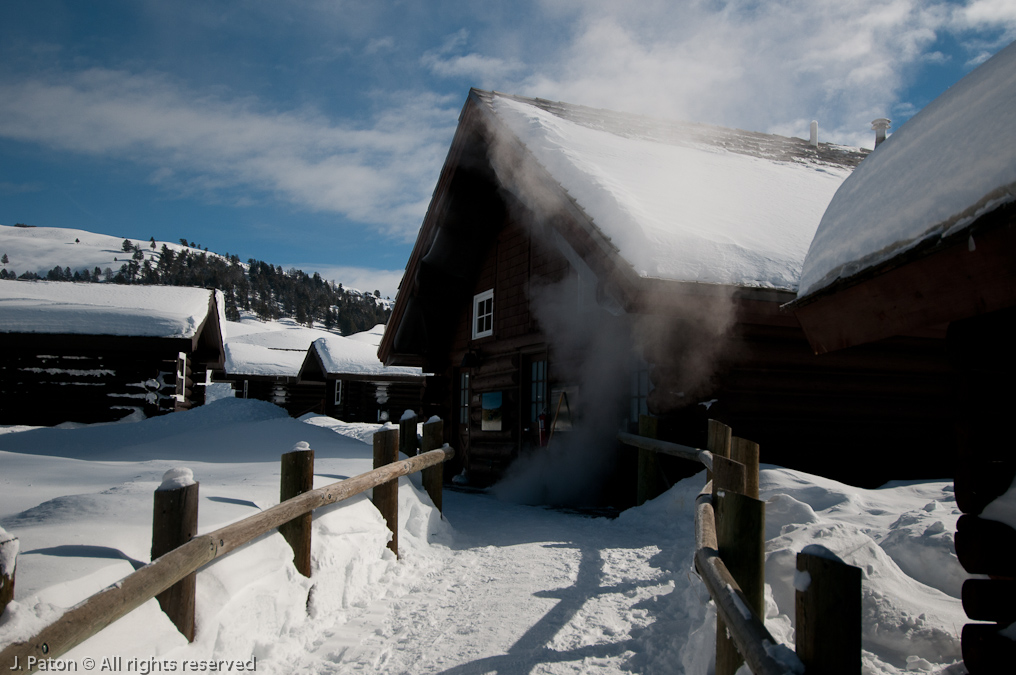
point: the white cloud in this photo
(762, 66)
(479, 69)
(377, 45)
(380, 172)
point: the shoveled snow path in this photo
(519, 590)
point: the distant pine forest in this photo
(261, 288)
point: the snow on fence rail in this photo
(176, 518)
(730, 559)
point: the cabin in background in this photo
(100, 352)
(923, 236)
(587, 267)
(271, 374)
(358, 388)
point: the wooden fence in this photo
(178, 554)
(730, 558)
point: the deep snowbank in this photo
(606, 596)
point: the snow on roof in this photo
(256, 360)
(950, 163)
(101, 309)
(372, 336)
(685, 202)
(280, 335)
(345, 356)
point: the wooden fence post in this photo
(718, 442)
(433, 476)
(746, 452)
(174, 523)
(827, 613)
(407, 436)
(741, 542)
(8, 565)
(649, 466)
(728, 477)
(297, 478)
(386, 495)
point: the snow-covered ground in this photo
(493, 587)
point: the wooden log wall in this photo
(47, 389)
(873, 398)
(981, 354)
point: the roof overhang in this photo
(968, 273)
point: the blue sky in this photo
(310, 133)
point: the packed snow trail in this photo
(521, 590)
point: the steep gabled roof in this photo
(681, 201)
(644, 202)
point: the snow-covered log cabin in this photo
(73, 352)
(271, 374)
(587, 266)
(358, 387)
(923, 236)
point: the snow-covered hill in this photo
(40, 249)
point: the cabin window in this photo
(483, 314)
(639, 393)
(464, 399)
(537, 390)
(492, 413)
(338, 392)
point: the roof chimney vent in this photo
(880, 126)
(814, 134)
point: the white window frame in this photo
(478, 302)
(338, 392)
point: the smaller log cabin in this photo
(357, 387)
(272, 374)
(923, 237)
(73, 352)
(578, 267)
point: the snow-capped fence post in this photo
(827, 613)
(175, 522)
(746, 452)
(8, 566)
(407, 434)
(649, 466)
(433, 476)
(297, 478)
(386, 495)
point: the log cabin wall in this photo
(888, 400)
(365, 401)
(501, 363)
(89, 386)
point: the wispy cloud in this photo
(378, 172)
(8, 188)
(448, 62)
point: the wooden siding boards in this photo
(806, 413)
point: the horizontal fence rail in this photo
(98, 611)
(666, 448)
(729, 503)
